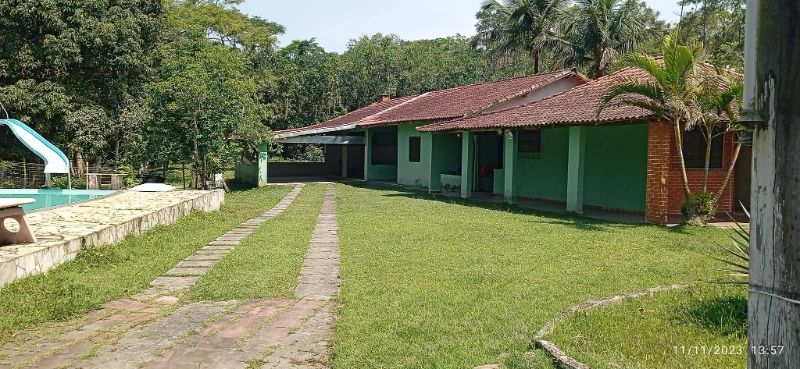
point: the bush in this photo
(62, 182)
(699, 208)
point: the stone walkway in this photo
(152, 330)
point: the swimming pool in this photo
(52, 198)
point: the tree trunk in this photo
(708, 132)
(536, 63)
(736, 150)
(772, 78)
(676, 125)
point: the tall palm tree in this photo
(670, 94)
(595, 32)
(521, 26)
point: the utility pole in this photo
(772, 109)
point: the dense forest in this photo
(147, 83)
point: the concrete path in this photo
(153, 330)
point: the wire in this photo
(753, 290)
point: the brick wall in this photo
(664, 184)
(659, 147)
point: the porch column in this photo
(467, 172)
(367, 152)
(510, 146)
(344, 160)
(577, 141)
(262, 165)
(434, 163)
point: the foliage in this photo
(588, 33)
(738, 260)
(684, 90)
(718, 25)
(522, 27)
(206, 90)
(596, 32)
(699, 208)
(69, 68)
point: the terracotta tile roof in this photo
(576, 106)
(346, 120)
(465, 100)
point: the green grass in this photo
(99, 275)
(662, 331)
(268, 262)
(452, 284)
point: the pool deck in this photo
(63, 231)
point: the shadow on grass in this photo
(572, 220)
(722, 315)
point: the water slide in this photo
(54, 159)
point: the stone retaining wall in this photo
(64, 231)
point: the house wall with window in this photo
(413, 155)
(382, 154)
(543, 175)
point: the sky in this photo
(334, 23)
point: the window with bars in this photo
(530, 143)
(414, 149)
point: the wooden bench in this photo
(12, 209)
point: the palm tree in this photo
(595, 32)
(671, 94)
(719, 99)
(680, 89)
(520, 26)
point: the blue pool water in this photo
(52, 198)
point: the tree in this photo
(70, 69)
(679, 89)
(595, 32)
(521, 26)
(207, 89)
(718, 25)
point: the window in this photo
(694, 149)
(414, 149)
(384, 148)
(530, 143)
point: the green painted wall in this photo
(379, 172)
(615, 169)
(447, 150)
(413, 173)
(545, 177)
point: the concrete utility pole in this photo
(772, 107)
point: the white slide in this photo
(54, 159)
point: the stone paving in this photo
(153, 329)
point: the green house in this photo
(534, 141)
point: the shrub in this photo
(699, 208)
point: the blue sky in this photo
(334, 23)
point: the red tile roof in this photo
(461, 101)
(576, 106)
(346, 120)
(439, 105)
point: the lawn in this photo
(666, 331)
(267, 263)
(441, 283)
(99, 275)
